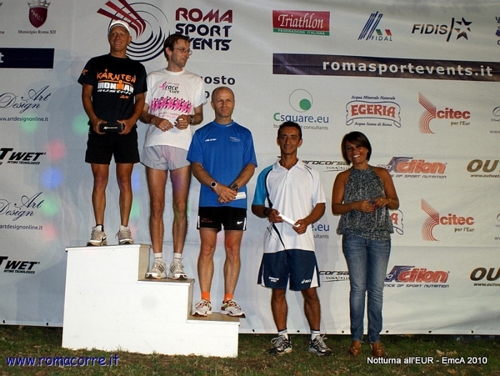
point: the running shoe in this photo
(202, 308)
(319, 347)
(176, 270)
(124, 235)
(98, 237)
(232, 308)
(157, 271)
(280, 345)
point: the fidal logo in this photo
(145, 20)
(38, 12)
(371, 31)
(431, 112)
(435, 219)
(301, 22)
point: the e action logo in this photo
(301, 22)
(409, 276)
(371, 27)
(12, 266)
(373, 111)
(436, 219)
(210, 29)
(456, 117)
(145, 20)
(407, 167)
(460, 27)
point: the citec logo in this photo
(38, 10)
(407, 167)
(9, 156)
(334, 275)
(371, 28)
(456, 117)
(373, 111)
(397, 221)
(301, 101)
(484, 168)
(410, 277)
(11, 266)
(301, 22)
(145, 20)
(449, 220)
(460, 27)
(206, 30)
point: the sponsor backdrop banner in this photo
(419, 79)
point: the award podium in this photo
(110, 306)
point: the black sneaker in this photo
(281, 345)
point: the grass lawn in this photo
(472, 355)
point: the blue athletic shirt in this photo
(223, 150)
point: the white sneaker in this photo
(157, 271)
(232, 308)
(280, 345)
(202, 308)
(124, 235)
(319, 347)
(98, 237)
(176, 270)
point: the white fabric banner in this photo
(417, 78)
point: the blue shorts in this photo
(227, 216)
(296, 265)
(164, 157)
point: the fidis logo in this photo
(207, 30)
(407, 167)
(145, 20)
(301, 22)
(373, 111)
(23, 267)
(486, 168)
(334, 275)
(301, 101)
(458, 28)
(38, 10)
(328, 166)
(411, 277)
(9, 156)
(459, 223)
(456, 117)
(372, 32)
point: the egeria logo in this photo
(373, 111)
(460, 27)
(449, 220)
(145, 20)
(301, 22)
(432, 113)
(38, 12)
(410, 274)
(371, 27)
(408, 165)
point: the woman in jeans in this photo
(362, 196)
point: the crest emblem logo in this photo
(38, 12)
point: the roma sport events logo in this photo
(145, 20)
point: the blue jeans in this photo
(367, 262)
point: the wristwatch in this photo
(191, 119)
(234, 187)
(213, 185)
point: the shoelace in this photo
(320, 342)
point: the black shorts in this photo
(100, 148)
(216, 217)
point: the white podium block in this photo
(110, 306)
